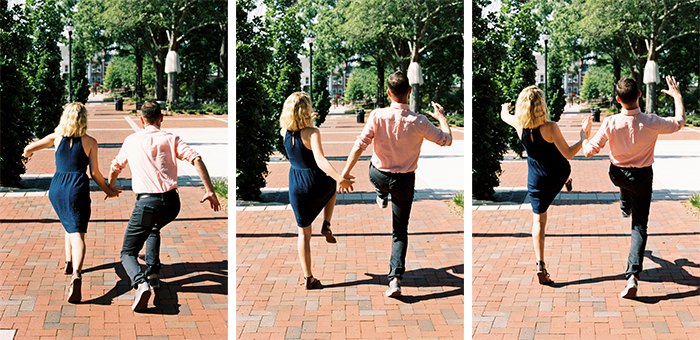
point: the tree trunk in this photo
(138, 81)
(651, 98)
(415, 107)
(172, 87)
(617, 75)
(160, 81)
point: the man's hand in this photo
(586, 125)
(439, 111)
(213, 201)
(673, 89)
(115, 191)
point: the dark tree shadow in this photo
(424, 277)
(166, 297)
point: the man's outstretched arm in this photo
(210, 195)
(353, 157)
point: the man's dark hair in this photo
(398, 84)
(150, 111)
(627, 90)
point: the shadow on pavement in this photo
(55, 220)
(166, 299)
(349, 234)
(421, 278)
(578, 235)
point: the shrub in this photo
(695, 200)
(459, 199)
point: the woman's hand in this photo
(26, 154)
(505, 108)
(345, 184)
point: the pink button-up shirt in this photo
(632, 137)
(398, 134)
(151, 154)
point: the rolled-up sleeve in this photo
(435, 134)
(365, 138)
(670, 124)
(184, 152)
(598, 141)
(119, 162)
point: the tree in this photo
(489, 134)
(15, 93)
(597, 82)
(256, 130)
(361, 84)
(120, 72)
(519, 69)
(44, 67)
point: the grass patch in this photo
(459, 199)
(221, 187)
(695, 200)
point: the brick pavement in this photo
(270, 304)
(192, 304)
(586, 251)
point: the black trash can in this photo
(596, 114)
(118, 103)
(360, 115)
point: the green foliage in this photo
(695, 200)
(256, 127)
(44, 67)
(598, 82)
(320, 95)
(488, 132)
(520, 27)
(121, 72)
(459, 199)
(221, 187)
(362, 84)
(457, 120)
(693, 120)
(15, 94)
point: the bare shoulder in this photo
(309, 131)
(87, 139)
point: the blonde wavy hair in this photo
(73, 121)
(296, 112)
(530, 109)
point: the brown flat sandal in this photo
(68, 270)
(311, 283)
(326, 231)
(542, 275)
(569, 185)
(74, 293)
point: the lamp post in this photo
(545, 36)
(70, 30)
(310, 39)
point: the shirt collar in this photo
(400, 106)
(152, 128)
(631, 112)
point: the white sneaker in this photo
(143, 293)
(383, 202)
(630, 290)
(394, 289)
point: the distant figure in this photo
(632, 135)
(397, 133)
(152, 154)
(548, 156)
(69, 192)
(312, 179)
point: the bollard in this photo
(360, 116)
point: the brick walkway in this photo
(586, 252)
(192, 304)
(270, 304)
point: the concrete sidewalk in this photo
(192, 303)
(586, 251)
(271, 304)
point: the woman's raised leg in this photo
(304, 248)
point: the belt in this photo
(160, 195)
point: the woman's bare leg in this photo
(328, 209)
(539, 223)
(77, 241)
(304, 248)
(67, 247)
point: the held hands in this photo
(345, 185)
(673, 89)
(586, 125)
(439, 111)
(114, 192)
(213, 201)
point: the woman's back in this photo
(299, 156)
(71, 158)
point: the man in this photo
(632, 137)
(397, 133)
(152, 155)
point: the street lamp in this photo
(311, 40)
(70, 30)
(545, 36)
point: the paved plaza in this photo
(270, 304)
(191, 304)
(586, 253)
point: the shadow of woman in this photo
(166, 297)
(421, 278)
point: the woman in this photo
(547, 162)
(312, 179)
(69, 192)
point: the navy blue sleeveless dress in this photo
(547, 170)
(309, 187)
(69, 192)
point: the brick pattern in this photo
(192, 304)
(586, 252)
(270, 304)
